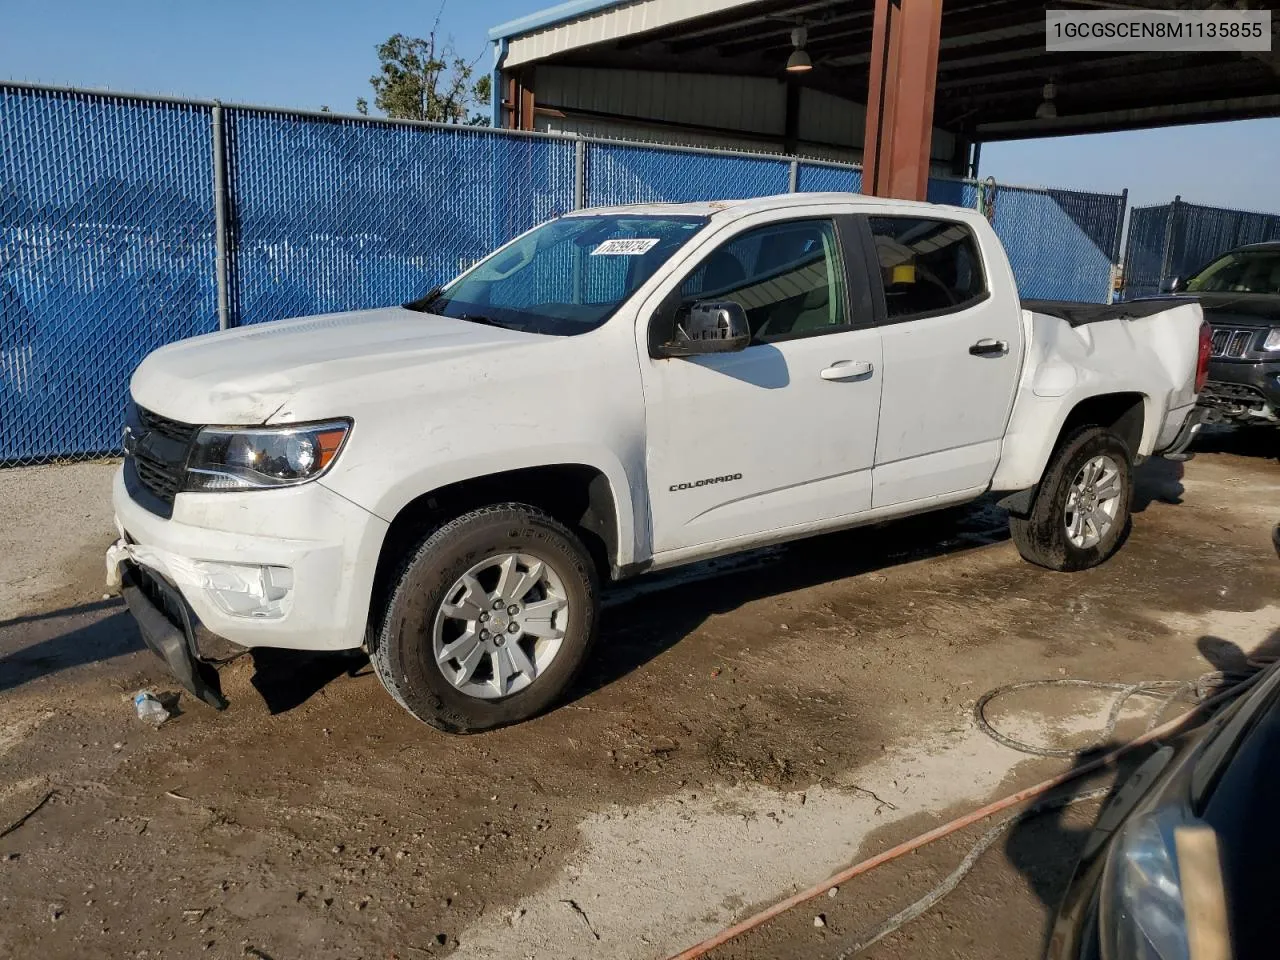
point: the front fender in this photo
(625, 485)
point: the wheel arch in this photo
(1124, 413)
(579, 495)
(1031, 445)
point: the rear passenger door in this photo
(952, 357)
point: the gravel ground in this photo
(58, 516)
(747, 728)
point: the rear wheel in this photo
(1080, 513)
(490, 620)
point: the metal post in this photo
(579, 201)
(900, 96)
(1124, 206)
(1166, 259)
(220, 217)
(1119, 266)
(793, 180)
(579, 174)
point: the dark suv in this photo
(1240, 295)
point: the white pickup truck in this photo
(620, 390)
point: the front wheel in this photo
(490, 620)
(1081, 510)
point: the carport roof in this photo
(991, 71)
(550, 17)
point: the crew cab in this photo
(448, 482)
(1240, 295)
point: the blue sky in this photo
(308, 54)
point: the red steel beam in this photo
(904, 73)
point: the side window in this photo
(927, 266)
(786, 276)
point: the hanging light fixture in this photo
(799, 61)
(1048, 110)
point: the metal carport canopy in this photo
(992, 62)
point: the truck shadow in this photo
(1046, 848)
(43, 644)
(1157, 481)
(288, 678)
(1261, 441)
(635, 629)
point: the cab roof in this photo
(733, 209)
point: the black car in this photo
(1240, 295)
(1125, 899)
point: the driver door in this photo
(780, 435)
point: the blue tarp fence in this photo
(1176, 239)
(109, 236)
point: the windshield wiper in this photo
(424, 302)
(481, 318)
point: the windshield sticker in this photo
(624, 247)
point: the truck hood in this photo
(247, 375)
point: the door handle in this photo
(848, 370)
(988, 347)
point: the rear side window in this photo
(927, 266)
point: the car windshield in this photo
(1243, 271)
(567, 276)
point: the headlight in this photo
(1273, 340)
(1140, 911)
(236, 458)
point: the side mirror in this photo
(711, 327)
(1173, 285)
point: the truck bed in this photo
(1078, 314)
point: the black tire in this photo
(1041, 536)
(402, 653)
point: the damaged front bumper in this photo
(231, 571)
(168, 627)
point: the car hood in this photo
(1240, 310)
(249, 375)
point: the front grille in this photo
(173, 429)
(159, 453)
(1230, 343)
(160, 478)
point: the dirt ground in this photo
(746, 728)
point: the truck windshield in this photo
(567, 276)
(1244, 271)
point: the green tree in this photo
(425, 79)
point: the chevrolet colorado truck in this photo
(447, 483)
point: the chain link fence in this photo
(827, 177)
(346, 214)
(1176, 239)
(106, 252)
(1062, 244)
(123, 218)
(624, 173)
